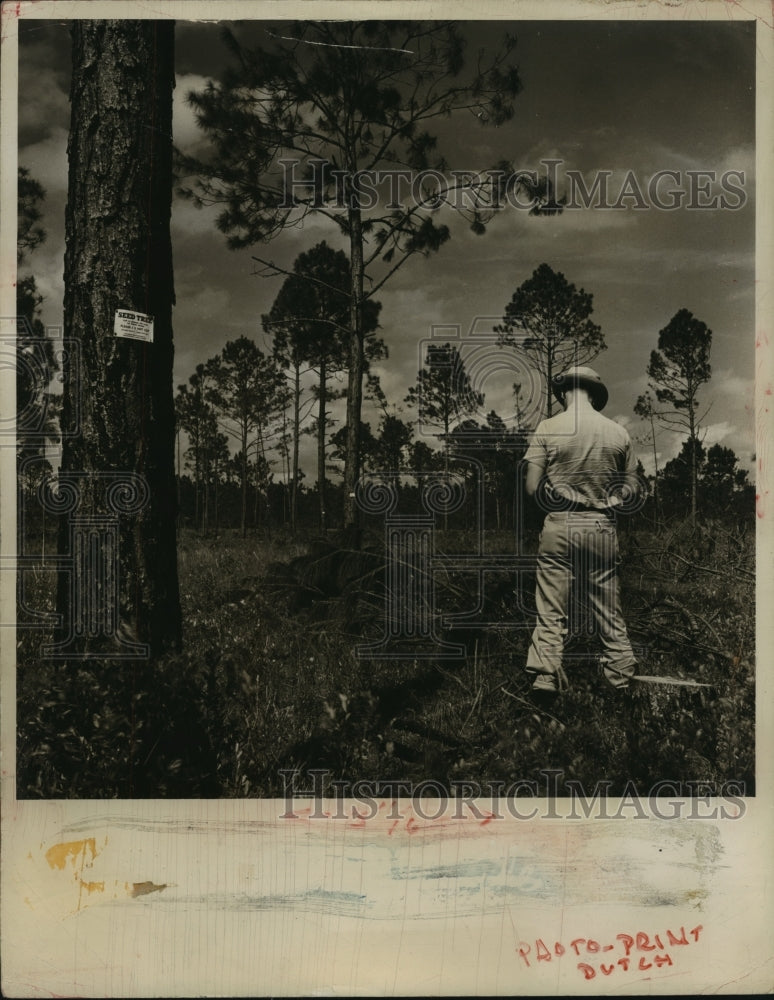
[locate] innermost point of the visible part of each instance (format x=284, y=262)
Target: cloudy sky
x=640, y=97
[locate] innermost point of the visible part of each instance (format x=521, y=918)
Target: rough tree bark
x=119, y=256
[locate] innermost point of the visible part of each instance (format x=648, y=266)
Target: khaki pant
x=579, y=546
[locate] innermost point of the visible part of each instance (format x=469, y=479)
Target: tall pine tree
x=301, y=119
x=309, y=321
x=549, y=318
x=119, y=257
x=676, y=373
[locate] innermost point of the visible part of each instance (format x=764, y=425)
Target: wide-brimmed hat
x=585, y=378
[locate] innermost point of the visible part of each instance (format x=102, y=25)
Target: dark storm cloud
x=44, y=79
x=607, y=92
x=636, y=95
x=199, y=49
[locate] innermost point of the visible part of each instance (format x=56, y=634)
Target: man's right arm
x=631, y=486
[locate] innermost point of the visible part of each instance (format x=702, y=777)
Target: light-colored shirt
x=586, y=457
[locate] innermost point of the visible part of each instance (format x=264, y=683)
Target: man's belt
x=572, y=507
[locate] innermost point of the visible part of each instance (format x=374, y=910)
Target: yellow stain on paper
x=58, y=854
x=91, y=887
x=81, y=854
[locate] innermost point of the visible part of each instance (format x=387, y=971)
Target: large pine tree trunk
x=119, y=256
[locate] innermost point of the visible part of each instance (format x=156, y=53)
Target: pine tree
x=548, y=318
x=30, y=197
x=443, y=393
x=300, y=124
x=246, y=389
x=393, y=443
x=198, y=418
x=309, y=320
x=119, y=257
x=676, y=373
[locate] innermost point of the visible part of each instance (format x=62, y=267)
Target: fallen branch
x=670, y=680
x=706, y=569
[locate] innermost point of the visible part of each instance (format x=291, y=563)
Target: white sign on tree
x=136, y=326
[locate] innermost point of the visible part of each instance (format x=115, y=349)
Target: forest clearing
x=269, y=680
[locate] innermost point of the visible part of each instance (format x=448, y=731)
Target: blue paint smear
x=312, y=900
x=471, y=869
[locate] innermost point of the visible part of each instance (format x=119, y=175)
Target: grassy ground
x=269, y=680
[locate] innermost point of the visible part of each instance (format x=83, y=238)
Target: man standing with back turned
x=581, y=467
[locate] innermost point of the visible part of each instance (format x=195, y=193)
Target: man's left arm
x=629, y=488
